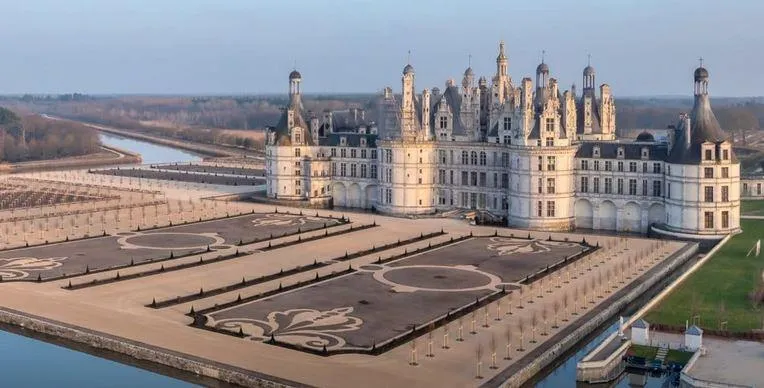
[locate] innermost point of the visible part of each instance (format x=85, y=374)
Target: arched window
x=482, y=158
x=473, y=157
x=464, y=157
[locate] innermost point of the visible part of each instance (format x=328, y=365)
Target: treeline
x=32, y=137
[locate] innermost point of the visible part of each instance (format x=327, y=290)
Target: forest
x=32, y=137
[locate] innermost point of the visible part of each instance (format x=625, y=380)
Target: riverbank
x=109, y=156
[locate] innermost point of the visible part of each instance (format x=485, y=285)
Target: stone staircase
x=662, y=352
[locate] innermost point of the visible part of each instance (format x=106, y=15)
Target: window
x=657, y=188
x=507, y=123
x=596, y=165
x=550, y=208
x=632, y=187
x=353, y=153
x=708, y=172
x=443, y=122
x=541, y=163
x=334, y=152
x=550, y=124
x=608, y=165
x=363, y=153
x=507, y=139
x=465, y=157
x=373, y=171
x=505, y=159
x=550, y=162
x=504, y=181
x=482, y=179
x=541, y=188
x=363, y=142
x=620, y=152
x=584, y=164
x=297, y=137
x=656, y=168
x=708, y=194
x=297, y=152
x=596, y=185
x=495, y=181
x=442, y=176
x=550, y=185
x=465, y=178
x=725, y=193
x=620, y=166
x=709, y=220
x=451, y=176
x=389, y=196
x=343, y=169
x=334, y=169
x=632, y=166
x=620, y=186
x=389, y=175
x=549, y=141
x=343, y=152
x=608, y=185
x=645, y=153
x=709, y=155
x=644, y=187
x=353, y=169
x=725, y=219
x=473, y=158
x=473, y=178
x=539, y=209
x=482, y=158
x=297, y=186
x=596, y=152
x=343, y=141
x=758, y=189
x=668, y=190
x=584, y=184
x=725, y=156
x=373, y=154
x=644, y=167
x=725, y=172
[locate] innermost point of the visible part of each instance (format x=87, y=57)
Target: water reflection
x=151, y=153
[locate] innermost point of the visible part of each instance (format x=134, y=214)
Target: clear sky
x=639, y=47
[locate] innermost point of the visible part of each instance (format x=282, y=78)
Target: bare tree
x=556, y=309
x=534, y=326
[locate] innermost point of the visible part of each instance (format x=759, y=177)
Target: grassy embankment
x=719, y=290
x=752, y=207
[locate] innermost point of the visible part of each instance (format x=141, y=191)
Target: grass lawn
x=678, y=356
x=646, y=352
x=752, y=207
x=726, y=279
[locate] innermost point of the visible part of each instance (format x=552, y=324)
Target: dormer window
x=507, y=123
x=620, y=152
x=297, y=136
x=363, y=142
x=645, y=153
x=725, y=154
x=443, y=122
x=343, y=141
x=596, y=152
x=550, y=124
x=708, y=154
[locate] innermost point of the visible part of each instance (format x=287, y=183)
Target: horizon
x=200, y=47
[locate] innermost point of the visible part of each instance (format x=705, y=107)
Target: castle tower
x=408, y=114
x=702, y=174
x=596, y=116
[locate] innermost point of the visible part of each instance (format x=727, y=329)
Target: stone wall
x=141, y=351
x=591, y=324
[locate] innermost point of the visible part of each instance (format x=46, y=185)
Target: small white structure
x=693, y=338
x=640, y=332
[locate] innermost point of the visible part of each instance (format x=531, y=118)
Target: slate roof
x=694, y=330
x=703, y=128
x=283, y=137
x=454, y=100
x=596, y=128
x=640, y=324
x=353, y=139
x=631, y=151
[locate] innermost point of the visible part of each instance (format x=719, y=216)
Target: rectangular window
x=550, y=124
x=550, y=163
x=608, y=185
x=644, y=187
x=620, y=186
x=504, y=181
x=725, y=193
x=507, y=123
x=632, y=166
x=596, y=165
x=443, y=122
x=442, y=177
x=297, y=152
x=465, y=178
x=495, y=181
x=465, y=157
x=550, y=185
x=620, y=166
x=334, y=169
x=596, y=185
x=708, y=194
x=656, y=168
x=373, y=154
x=644, y=167
x=353, y=169
x=709, y=220
x=482, y=179
x=442, y=156
x=541, y=188
x=343, y=152
x=726, y=156
x=550, y=208
x=584, y=165
x=709, y=155
x=505, y=159
x=473, y=178
x=540, y=209
x=353, y=153
x=297, y=187
x=708, y=172
x=657, y=188
x=668, y=190
x=725, y=172
x=632, y=187
x=584, y=184
x=451, y=176
x=334, y=152
x=608, y=165
x=507, y=139
x=364, y=170
x=541, y=163
x=725, y=219
x=549, y=141
x=373, y=171
x=363, y=153
x=343, y=169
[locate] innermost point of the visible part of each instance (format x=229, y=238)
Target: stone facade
x=541, y=158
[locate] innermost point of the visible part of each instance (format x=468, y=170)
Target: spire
x=502, y=55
